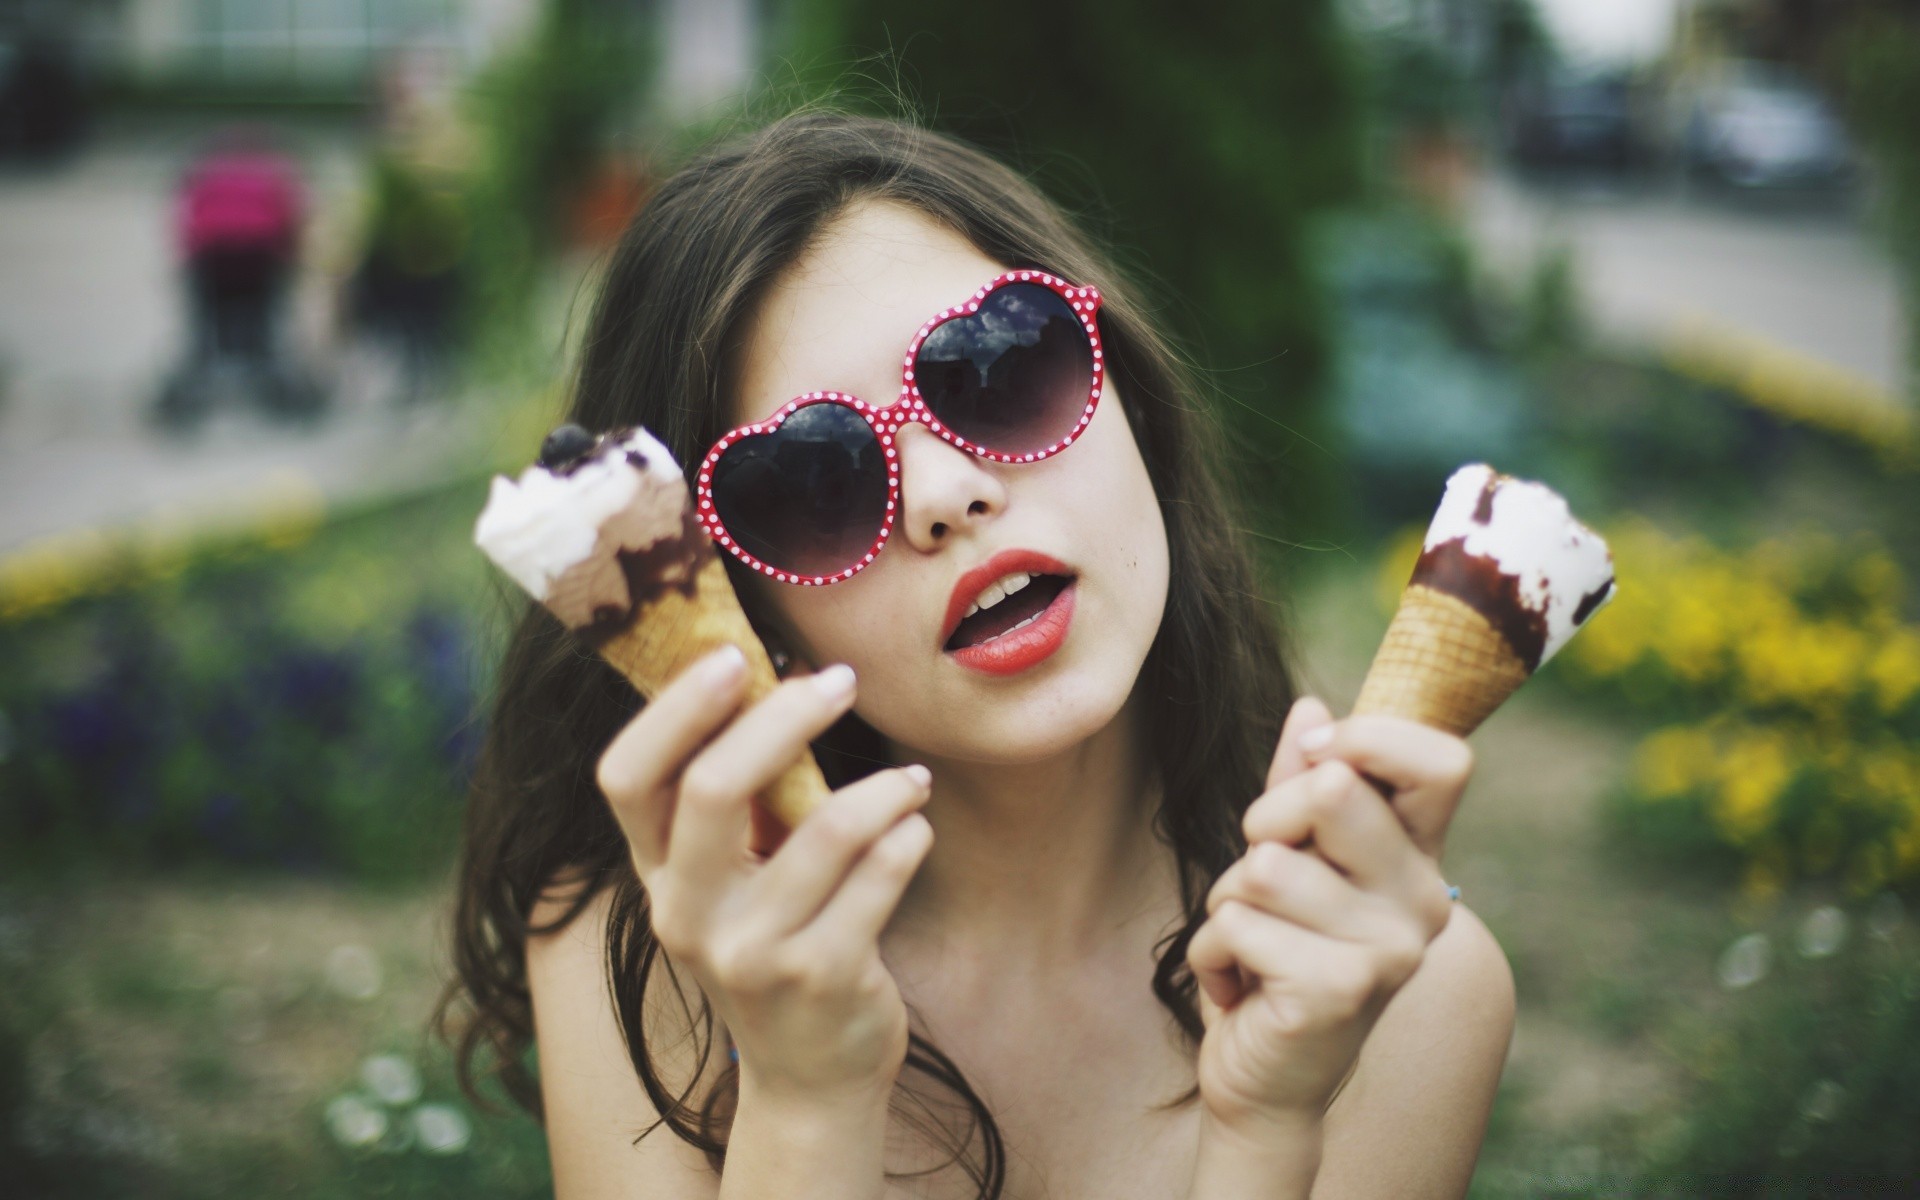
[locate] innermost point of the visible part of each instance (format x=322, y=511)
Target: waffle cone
x=671, y=632
x=1441, y=664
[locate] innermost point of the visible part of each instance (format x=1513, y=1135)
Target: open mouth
x=1013, y=611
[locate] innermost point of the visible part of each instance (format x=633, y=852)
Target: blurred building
x=316, y=48
x=322, y=49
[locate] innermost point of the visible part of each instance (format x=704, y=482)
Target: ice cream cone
x=601, y=532
x=1441, y=664
x=675, y=629
x=1505, y=577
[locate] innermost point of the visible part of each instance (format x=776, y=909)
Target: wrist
x=818, y=1146
x=1273, y=1157
x=807, y=1109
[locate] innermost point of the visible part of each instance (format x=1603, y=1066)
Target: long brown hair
x=658, y=352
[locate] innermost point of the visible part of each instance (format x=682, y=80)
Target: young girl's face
x=840, y=319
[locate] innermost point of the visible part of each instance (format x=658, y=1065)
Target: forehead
x=841, y=317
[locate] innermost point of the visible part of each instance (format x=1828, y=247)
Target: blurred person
x=237, y=224
x=1084, y=917
x=408, y=288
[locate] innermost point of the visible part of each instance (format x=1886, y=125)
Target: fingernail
x=920, y=775
x=1317, y=738
x=836, y=682
x=725, y=663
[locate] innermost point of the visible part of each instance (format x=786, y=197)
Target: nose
x=943, y=489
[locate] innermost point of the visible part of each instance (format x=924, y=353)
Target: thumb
x=1308, y=712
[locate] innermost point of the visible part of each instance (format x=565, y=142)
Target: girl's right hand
x=785, y=948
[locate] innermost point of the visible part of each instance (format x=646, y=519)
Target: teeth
x=996, y=592
x=1016, y=629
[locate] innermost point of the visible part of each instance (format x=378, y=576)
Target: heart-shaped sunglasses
x=809, y=495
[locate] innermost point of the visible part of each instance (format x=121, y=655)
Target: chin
x=1043, y=719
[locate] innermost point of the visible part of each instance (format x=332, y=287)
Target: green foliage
x=1200, y=140
x=1805, y=1087
x=65, y=1131
x=307, y=709
x=417, y=218
x=545, y=112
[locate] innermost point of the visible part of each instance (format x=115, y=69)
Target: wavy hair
x=659, y=351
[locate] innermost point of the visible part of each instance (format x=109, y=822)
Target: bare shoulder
x=595, y=1104
x=1465, y=976
x=1428, y=1073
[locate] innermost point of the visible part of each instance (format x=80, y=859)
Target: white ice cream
x=557, y=534
x=1531, y=535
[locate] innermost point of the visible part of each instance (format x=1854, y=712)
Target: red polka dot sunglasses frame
x=885, y=421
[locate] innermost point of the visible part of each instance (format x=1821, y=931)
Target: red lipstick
x=1019, y=649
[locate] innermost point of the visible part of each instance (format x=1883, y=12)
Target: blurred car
x=1766, y=129
x=1565, y=119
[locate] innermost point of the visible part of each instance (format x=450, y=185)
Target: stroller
x=240, y=210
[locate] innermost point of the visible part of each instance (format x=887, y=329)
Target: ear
x=787, y=664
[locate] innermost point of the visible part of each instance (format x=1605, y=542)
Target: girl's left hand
x=1303, y=947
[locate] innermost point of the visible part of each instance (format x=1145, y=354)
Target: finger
x=849, y=925
x=1214, y=967
x=1239, y=948
x=1324, y=977
x=709, y=838
x=653, y=748
x=1347, y=822
x=1426, y=768
x=803, y=874
x=1308, y=712
x=1300, y=887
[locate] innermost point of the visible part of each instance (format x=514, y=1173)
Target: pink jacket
x=241, y=200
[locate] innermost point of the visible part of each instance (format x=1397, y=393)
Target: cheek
x=1145, y=559
x=1119, y=514
x=852, y=622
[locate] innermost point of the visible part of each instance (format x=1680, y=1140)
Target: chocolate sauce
x=1483, y=509
x=669, y=564
x=1483, y=586
x=1591, y=601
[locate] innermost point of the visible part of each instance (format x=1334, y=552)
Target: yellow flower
x=1905, y=845
x=1876, y=578
x=1606, y=648
x=1754, y=771
x=1672, y=761
x=1894, y=671
x=55, y=569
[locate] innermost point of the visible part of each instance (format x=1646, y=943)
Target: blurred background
x=283, y=281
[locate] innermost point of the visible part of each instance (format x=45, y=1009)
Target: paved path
x=91, y=321
x=1654, y=265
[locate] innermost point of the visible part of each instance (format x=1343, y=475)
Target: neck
x=1041, y=865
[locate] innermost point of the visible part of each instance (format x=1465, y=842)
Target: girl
x=1072, y=924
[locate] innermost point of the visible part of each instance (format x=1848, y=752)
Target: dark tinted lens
x=1012, y=377
x=809, y=497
